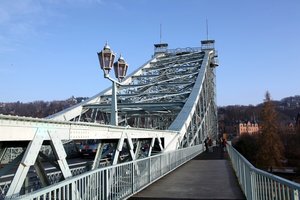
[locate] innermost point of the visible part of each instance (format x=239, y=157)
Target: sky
x=48, y=48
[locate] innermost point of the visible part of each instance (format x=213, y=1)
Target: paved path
x=207, y=176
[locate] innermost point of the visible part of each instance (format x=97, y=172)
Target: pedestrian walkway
x=207, y=176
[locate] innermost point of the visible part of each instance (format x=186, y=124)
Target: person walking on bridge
x=224, y=142
x=206, y=144
x=210, y=145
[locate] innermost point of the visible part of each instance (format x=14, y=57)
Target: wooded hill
x=38, y=109
x=229, y=116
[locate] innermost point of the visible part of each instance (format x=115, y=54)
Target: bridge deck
x=208, y=176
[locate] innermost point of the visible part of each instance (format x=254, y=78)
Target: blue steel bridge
x=165, y=110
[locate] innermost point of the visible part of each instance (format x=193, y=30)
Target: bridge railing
x=260, y=185
x=118, y=181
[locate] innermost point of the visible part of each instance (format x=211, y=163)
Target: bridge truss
x=168, y=103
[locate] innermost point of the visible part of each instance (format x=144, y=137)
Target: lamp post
x=106, y=59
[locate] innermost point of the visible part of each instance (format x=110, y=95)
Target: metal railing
x=33, y=183
x=260, y=185
x=116, y=182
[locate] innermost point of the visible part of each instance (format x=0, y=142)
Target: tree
x=270, y=150
x=247, y=145
x=298, y=127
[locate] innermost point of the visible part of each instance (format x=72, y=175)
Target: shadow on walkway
x=217, y=154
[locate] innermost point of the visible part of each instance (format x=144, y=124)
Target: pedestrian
x=221, y=142
x=206, y=144
x=224, y=142
x=210, y=145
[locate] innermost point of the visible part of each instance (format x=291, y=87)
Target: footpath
x=208, y=176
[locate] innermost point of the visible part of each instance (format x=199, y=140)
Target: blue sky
x=48, y=47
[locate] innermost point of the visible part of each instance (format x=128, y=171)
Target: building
x=247, y=127
x=293, y=126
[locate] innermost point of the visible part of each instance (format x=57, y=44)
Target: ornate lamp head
x=120, y=68
x=106, y=59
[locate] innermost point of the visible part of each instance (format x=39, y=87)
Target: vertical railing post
x=106, y=186
x=149, y=169
x=161, y=171
x=296, y=194
x=170, y=162
x=253, y=184
x=245, y=177
x=132, y=177
x=73, y=191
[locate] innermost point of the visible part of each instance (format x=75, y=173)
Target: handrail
x=118, y=181
x=258, y=184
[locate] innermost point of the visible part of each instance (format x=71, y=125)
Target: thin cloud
x=23, y=19
x=17, y=11
x=18, y=20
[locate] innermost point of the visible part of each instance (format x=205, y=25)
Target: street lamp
x=106, y=59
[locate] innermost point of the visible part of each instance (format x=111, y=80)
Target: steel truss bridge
x=166, y=108
x=165, y=105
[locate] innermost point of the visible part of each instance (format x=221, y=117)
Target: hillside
x=38, y=109
x=229, y=116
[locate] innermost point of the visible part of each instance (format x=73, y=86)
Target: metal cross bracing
x=167, y=104
x=154, y=93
